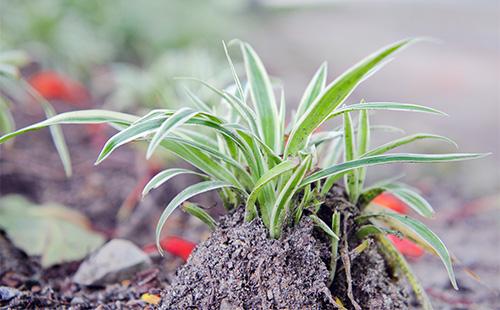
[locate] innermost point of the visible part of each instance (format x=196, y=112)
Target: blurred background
x=124, y=55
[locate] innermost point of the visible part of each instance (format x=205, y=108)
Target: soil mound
x=239, y=267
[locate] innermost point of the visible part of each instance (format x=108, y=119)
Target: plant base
x=240, y=267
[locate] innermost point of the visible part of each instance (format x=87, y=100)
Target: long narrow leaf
x=233, y=72
x=321, y=224
x=199, y=213
x=164, y=176
x=335, y=246
x=351, y=176
x=335, y=94
x=314, y=88
x=242, y=173
x=385, y=106
x=363, y=145
x=406, y=140
x=186, y=194
x=417, y=231
x=386, y=159
x=58, y=139
x=263, y=181
x=198, y=103
x=285, y=196
x=245, y=112
x=76, y=117
x=55, y=130
x=410, y=197
x=262, y=95
x=202, y=161
x=176, y=120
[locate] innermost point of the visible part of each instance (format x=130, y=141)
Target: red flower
x=54, y=86
x=173, y=245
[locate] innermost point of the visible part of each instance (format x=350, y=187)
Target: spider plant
x=243, y=149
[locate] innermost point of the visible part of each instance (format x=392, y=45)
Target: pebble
x=117, y=260
x=77, y=300
x=8, y=293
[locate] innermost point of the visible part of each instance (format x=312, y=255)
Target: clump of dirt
x=240, y=267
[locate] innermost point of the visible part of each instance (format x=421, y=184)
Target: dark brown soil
x=240, y=267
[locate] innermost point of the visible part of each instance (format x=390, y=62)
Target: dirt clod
x=240, y=267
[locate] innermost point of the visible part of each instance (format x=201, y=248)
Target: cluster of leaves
x=244, y=149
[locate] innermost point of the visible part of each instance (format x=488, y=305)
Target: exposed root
x=346, y=261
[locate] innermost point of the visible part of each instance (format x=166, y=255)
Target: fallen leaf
x=390, y=201
x=55, y=86
x=406, y=246
x=52, y=231
x=175, y=246
x=151, y=299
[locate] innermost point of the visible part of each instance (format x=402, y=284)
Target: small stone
x=117, y=260
x=269, y=294
x=8, y=293
x=226, y=305
x=77, y=300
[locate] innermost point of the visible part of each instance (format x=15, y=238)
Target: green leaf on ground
x=52, y=231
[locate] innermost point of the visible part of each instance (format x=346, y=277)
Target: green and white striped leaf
x=58, y=139
x=199, y=213
x=406, y=140
x=261, y=92
x=363, y=145
x=164, y=176
x=385, y=106
x=351, y=176
x=335, y=94
x=186, y=194
x=285, y=196
x=321, y=224
x=197, y=102
x=386, y=159
x=233, y=72
x=245, y=112
x=180, y=117
x=139, y=130
x=410, y=197
x=313, y=90
x=205, y=148
x=202, y=161
x=335, y=246
x=268, y=177
x=420, y=233
x=77, y=117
